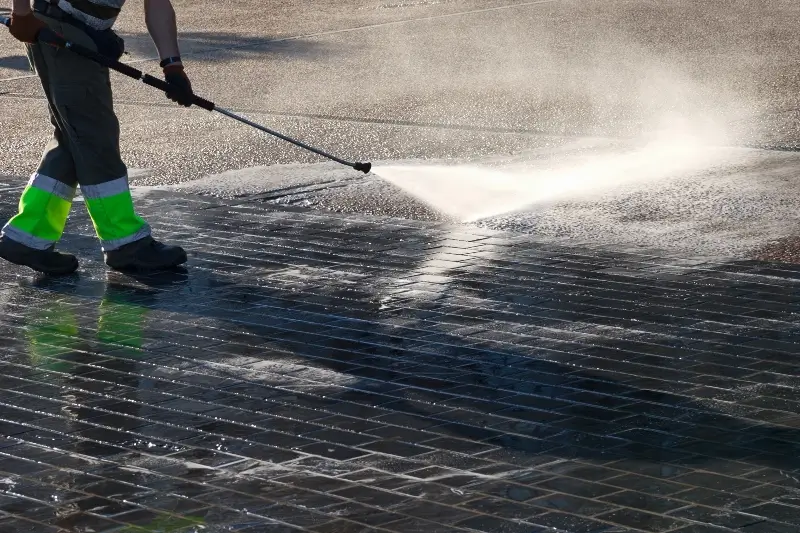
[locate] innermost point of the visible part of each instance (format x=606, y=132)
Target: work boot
x=46, y=261
x=145, y=254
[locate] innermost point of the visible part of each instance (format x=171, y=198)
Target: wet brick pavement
x=329, y=374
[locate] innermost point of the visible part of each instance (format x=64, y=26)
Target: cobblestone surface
x=310, y=372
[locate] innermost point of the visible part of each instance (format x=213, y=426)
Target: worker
x=84, y=149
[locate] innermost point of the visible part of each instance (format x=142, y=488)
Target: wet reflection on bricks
x=460, y=380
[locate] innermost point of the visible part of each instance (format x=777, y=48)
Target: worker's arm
x=163, y=27
x=21, y=7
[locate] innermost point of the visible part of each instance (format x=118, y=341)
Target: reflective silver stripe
x=94, y=22
x=52, y=186
x=104, y=190
x=108, y=246
x=23, y=237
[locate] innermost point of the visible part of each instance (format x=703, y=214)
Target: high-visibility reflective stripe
x=110, y=205
x=107, y=189
x=108, y=246
x=100, y=15
x=53, y=186
x=23, y=237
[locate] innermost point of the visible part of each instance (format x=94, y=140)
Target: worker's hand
x=26, y=27
x=182, y=92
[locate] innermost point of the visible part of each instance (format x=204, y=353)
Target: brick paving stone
x=315, y=372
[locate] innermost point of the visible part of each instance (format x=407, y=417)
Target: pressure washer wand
x=49, y=37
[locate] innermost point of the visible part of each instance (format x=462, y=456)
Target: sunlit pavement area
x=339, y=358
x=311, y=372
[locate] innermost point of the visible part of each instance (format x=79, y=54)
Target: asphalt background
x=503, y=82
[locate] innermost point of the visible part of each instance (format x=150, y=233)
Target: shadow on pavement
x=15, y=63
x=214, y=47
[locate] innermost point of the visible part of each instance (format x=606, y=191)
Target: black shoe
x=46, y=261
x=145, y=254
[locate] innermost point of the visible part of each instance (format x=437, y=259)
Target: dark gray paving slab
x=309, y=372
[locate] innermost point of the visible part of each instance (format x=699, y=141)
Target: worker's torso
x=99, y=14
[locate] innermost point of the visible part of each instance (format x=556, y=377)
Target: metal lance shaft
x=49, y=37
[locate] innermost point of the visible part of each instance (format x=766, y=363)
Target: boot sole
x=143, y=267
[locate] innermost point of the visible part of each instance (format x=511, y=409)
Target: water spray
x=47, y=36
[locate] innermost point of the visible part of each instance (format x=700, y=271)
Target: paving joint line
x=589, y=323
x=183, y=480
x=589, y=346
x=236, y=475
x=413, y=480
x=654, y=284
x=550, y=439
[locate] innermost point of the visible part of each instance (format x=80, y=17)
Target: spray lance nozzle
x=363, y=167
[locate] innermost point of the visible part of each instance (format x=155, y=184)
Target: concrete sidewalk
x=310, y=372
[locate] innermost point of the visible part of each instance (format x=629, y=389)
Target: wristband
x=170, y=61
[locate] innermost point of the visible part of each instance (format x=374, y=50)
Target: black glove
x=182, y=92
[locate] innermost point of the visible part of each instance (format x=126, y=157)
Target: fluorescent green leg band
x=43, y=211
x=114, y=218
x=111, y=207
x=41, y=214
